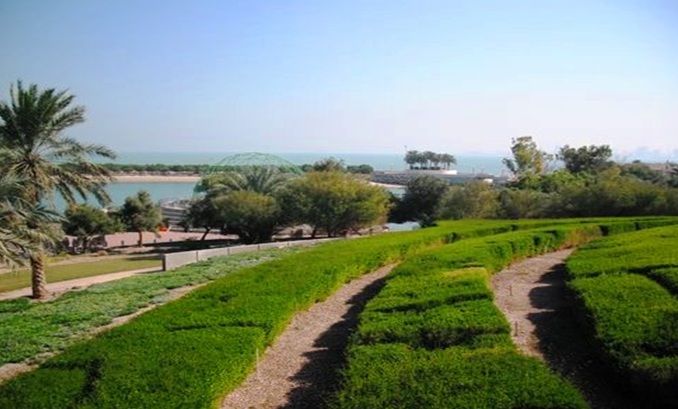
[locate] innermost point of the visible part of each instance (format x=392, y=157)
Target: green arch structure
x=256, y=159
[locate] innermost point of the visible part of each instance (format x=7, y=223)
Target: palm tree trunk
x=39, y=282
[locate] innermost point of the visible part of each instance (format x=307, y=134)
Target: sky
x=363, y=76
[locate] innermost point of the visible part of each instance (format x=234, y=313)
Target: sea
x=176, y=190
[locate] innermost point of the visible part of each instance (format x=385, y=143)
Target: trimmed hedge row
x=433, y=337
x=626, y=289
x=641, y=252
x=191, y=352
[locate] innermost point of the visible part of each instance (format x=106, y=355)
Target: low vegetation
x=626, y=288
x=190, y=352
x=433, y=338
x=28, y=328
x=59, y=272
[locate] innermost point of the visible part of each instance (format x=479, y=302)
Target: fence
x=175, y=260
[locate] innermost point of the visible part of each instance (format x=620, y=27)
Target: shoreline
x=155, y=178
x=191, y=179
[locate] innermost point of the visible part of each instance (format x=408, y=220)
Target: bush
x=623, y=286
x=433, y=338
x=397, y=376
x=190, y=352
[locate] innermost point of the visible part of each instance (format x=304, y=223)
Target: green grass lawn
x=61, y=272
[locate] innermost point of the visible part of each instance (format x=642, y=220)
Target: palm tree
x=411, y=158
x=448, y=160
x=428, y=157
x=34, y=149
x=258, y=179
x=17, y=241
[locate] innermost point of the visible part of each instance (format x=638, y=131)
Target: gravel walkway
x=534, y=298
x=515, y=296
x=300, y=369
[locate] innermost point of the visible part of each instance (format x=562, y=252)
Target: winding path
x=300, y=369
x=533, y=296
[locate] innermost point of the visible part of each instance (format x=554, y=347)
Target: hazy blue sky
x=354, y=76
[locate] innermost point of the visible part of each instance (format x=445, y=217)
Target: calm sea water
x=158, y=191
x=488, y=164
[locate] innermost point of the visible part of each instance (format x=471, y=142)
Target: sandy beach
x=156, y=178
x=189, y=179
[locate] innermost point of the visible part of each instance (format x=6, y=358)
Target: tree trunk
x=141, y=239
x=207, y=231
x=39, y=282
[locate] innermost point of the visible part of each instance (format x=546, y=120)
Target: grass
x=433, y=337
x=60, y=272
x=190, y=352
x=29, y=328
x=639, y=252
x=626, y=288
x=398, y=376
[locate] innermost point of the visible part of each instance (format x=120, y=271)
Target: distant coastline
x=190, y=179
x=128, y=178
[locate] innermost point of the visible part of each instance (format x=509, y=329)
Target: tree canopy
x=423, y=195
x=429, y=160
x=140, y=214
x=586, y=159
x=85, y=222
x=334, y=202
x=527, y=159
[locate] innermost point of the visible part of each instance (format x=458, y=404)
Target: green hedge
x=626, y=289
x=639, y=252
x=433, y=337
x=190, y=352
x=398, y=376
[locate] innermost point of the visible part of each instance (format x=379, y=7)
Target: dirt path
x=533, y=297
x=60, y=287
x=299, y=369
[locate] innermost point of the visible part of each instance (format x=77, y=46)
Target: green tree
x=329, y=165
x=447, y=160
x=421, y=200
x=641, y=171
x=586, y=159
x=527, y=160
x=254, y=217
x=335, y=202
x=33, y=148
x=475, y=199
x=412, y=158
x=204, y=213
x=140, y=214
x=85, y=222
x=259, y=179
x=523, y=204
x=363, y=169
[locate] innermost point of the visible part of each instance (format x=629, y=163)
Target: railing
x=174, y=260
